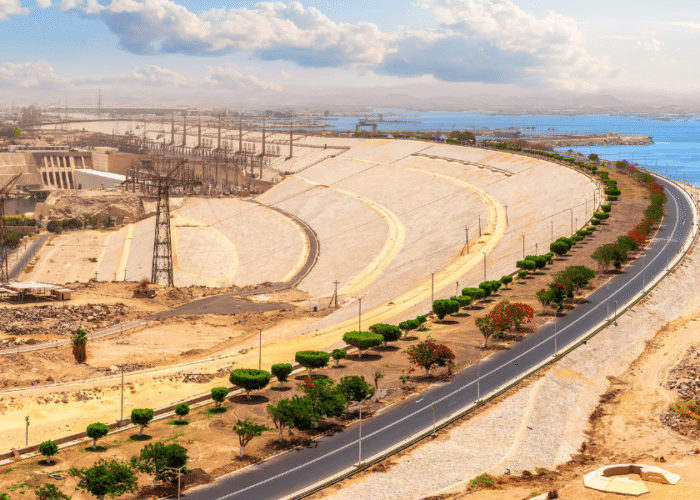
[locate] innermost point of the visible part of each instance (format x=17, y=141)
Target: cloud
x=228, y=77
x=10, y=7
x=686, y=24
x=31, y=75
x=653, y=45
x=150, y=75
x=284, y=74
x=44, y=4
x=474, y=40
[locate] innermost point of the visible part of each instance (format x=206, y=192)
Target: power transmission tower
x=161, y=179
x=4, y=272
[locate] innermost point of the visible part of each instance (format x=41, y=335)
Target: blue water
x=676, y=151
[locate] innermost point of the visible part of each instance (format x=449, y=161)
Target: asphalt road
x=300, y=468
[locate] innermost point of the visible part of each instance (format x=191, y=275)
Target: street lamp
x=615, y=313
x=555, y=331
x=179, y=470
x=478, y=376
x=484, y=264
x=607, y=302
x=359, y=318
x=359, y=441
x=432, y=406
x=26, y=435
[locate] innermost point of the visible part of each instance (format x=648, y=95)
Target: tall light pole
x=615, y=313
x=555, y=330
x=359, y=320
x=457, y=289
x=484, y=264
x=432, y=289
x=467, y=230
x=506, y=206
x=26, y=433
x=479, y=225
x=122, y=405
x=179, y=470
x=432, y=406
x=359, y=441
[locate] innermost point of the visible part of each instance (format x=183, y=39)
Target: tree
x=506, y=280
x=474, y=293
x=47, y=492
x=48, y=449
x=339, y=354
x=141, y=417
x=249, y=379
x=422, y=320
x=312, y=360
x=487, y=287
x=539, y=260
x=95, y=432
x=607, y=254
x=559, y=247
x=462, y=301
x=575, y=277
x=182, y=410
x=390, y=333
x=218, y=394
x=79, y=341
x=442, y=308
x=304, y=413
x=430, y=355
x=156, y=458
x=247, y=430
x=545, y=297
x=282, y=372
x=113, y=478
x=520, y=313
x=363, y=340
x=355, y=388
x=377, y=375
x=522, y=275
x=326, y=397
x=593, y=157
x=486, y=327
x=282, y=414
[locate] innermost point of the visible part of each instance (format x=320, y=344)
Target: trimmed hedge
x=281, y=371
x=595, y=222
x=312, y=360
x=249, y=379
x=606, y=208
x=363, y=340
x=473, y=293
x=612, y=198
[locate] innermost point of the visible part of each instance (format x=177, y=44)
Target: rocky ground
x=61, y=205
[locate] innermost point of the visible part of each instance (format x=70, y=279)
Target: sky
x=200, y=50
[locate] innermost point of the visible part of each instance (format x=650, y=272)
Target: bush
x=644, y=177
x=218, y=394
x=339, y=354
x=250, y=379
x=568, y=241
x=442, y=308
x=627, y=243
x=141, y=417
x=363, y=340
x=182, y=410
x=390, y=333
x=591, y=229
x=522, y=275
x=559, y=247
x=354, y=388
x=582, y=232
x=550, y=257
x=612, y=198
x=462, y=301
x=530, y=265
x=539, y=260
x=54, y=227
x=658, y=198
x=474, y=293
x=312, y=360
x=613, y=192
x=606, y=208
x=95, y=432
x=506, y=280
x=487, y=287
x=577, y=238
x=602, y=215
x=654, y=212
x=281, y=371
x=48, y=449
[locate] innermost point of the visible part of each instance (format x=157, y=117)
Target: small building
x=93, y=179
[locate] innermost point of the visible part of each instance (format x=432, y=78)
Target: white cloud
x=9, y=7
x=29, y=75
x=653, y=45
x=44, y=4
x=474, y=40
x=686, y=24
x=150, y=75
x=228, y=77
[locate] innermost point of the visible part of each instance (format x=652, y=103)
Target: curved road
x=284, y=475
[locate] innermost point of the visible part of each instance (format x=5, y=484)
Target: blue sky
x=71, y=47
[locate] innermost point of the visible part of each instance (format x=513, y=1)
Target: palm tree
x=79, y=340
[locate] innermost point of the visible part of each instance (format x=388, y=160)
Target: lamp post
x=467, y=230
x=484, y=264
x=555, y=331
x=359, y=441
x=121, y=417
x=432, y=288
x=432, y=406
x=615, y=313
x=179, y=470
x=607, y=302
x=479, y=225
x=26, y=433
x=359, y=318
x=457, y=289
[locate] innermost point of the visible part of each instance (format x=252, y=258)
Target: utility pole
x=484, y=264
x=551, y=230
x=506, y=206
x=260, y=350
x=335, y=294
x=432, y=289
x=121, y=418
x=479, y=225
x=359, y=320
x=467, y=230
x=457, y=289
x=523, y=246
x=26, y=433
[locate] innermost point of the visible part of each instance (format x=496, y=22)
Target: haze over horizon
x=424, y=54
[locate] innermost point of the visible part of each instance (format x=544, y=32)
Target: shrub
x=654, y=212
x=462, y=301
x=281, y=371
x=550, y=257
x=487, y=287
x=606, y=208
x=644, y=177
x=113, y=478
x=539, y=260
x=612, y=198
x=250, y=379
x=442, y=308
x=530, y=265
x=658, y=198
x=390, y=333
x=568, y=241
x=482, y=482
x=218, y=394
x=474, y=293
x=506, y=280
x=312, y=360
x=54, y=227
x=48, y=449
x=339, y=354
x=613, y=192
x=577, y=238
x=582, y=232
x=182, y=410
x=559, y=247
x=595, y=222
x=591, y=229
x=522, y=275
x=364, y=340
x=141, y=417
x=627, y=243
x=355, y=388
x=422, y=319
x=95, y=432
x=602, y=215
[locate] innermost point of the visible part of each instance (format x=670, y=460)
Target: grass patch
x=687, y=409
x=97, y=449
x=412, y=337
x=143, y=437
x=281, y=389
x=178, y=422
x=216, y=411
x=482, y=482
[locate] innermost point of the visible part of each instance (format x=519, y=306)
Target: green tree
x=487, y=328
x=363, y=340
x=339, y=354
x=575, y=277
x=355, y=388
x=559, y=247
x=506, y=280
x=48, y=492
x=247, y=430
x=421, y=319
x=390, y=333
x=377, y=376
x=249, y=379
x=430, y=355
x=442, y=308
x=474, y=293
x=113, y=478
x=522, y=274
x=593, y=157
x=95, y=432
x=181, y=410
x=155, y=458
x=305, y=413
x=325, y=396
x=218, y=394
x=312, y=360
x=544, y=297
x=48, y=449
x=282, y=372
x=282, y=413
x=609, y=254
x=141, y=417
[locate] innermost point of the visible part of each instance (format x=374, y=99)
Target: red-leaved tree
x=430, y=355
